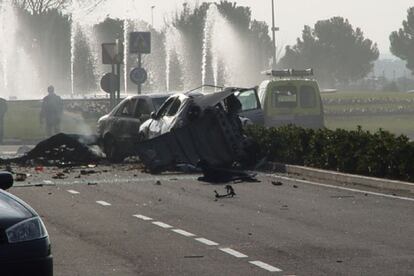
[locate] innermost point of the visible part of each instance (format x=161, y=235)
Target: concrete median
x=343, y=178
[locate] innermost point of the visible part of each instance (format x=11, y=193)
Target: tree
x=336, y=51
x=402, y=41
x=40, y=6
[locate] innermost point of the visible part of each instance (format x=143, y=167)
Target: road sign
x=112, y=53
x=138, y=75
x=109, y=83
x=140, y=43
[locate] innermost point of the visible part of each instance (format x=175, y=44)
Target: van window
x=307, y=96
x=248, y=100
x=284, y=96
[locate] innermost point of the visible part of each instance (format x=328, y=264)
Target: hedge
x=380, y=154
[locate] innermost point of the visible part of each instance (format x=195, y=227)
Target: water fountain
x=19, y=78
x=219, y=61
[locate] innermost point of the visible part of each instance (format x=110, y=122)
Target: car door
x=125, y=121
x=251, y=107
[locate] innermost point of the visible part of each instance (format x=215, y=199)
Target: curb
x=343, y=178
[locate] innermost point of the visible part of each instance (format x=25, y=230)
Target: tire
x=111, y=150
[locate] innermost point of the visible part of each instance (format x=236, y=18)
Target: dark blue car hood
x=13, y=210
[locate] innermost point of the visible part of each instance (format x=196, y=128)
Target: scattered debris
x=59, y=175
x=295, y=186
x=158, y=182
x=20, y=177
x=92, y=183
x=87, y=172
x=62, y=150
x=284, y=207
x=229, y=190
x=277, y=183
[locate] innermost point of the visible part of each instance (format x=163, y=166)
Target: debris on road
x=61, y=150
x=229, y=190
x=87, y=172
x=158, y=182
x=277, y=183
x=59, y=175
x=20, y=177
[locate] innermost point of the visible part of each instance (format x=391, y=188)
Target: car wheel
x=111, y=150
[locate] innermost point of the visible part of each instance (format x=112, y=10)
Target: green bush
x=379, y=154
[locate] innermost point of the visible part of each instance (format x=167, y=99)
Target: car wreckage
x=200, y=129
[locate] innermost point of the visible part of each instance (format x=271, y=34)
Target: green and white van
x=291, y=97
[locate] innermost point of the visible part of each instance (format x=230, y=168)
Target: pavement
x=116, y=220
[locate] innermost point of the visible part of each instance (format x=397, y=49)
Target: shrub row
x=379, y=154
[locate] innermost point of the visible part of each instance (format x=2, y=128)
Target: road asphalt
x=116, y=220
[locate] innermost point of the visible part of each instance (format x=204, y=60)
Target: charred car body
x=195, y=127
x=118, y=130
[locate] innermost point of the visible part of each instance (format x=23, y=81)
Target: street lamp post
x=274, y=29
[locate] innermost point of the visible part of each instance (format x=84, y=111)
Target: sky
x=376, y=18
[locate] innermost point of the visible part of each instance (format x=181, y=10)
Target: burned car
x=179, y=109
x=198, y=128
x=118, y=130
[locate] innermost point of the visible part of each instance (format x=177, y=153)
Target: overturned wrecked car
x=118, y=130
x=200, y=129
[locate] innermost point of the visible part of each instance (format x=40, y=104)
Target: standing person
x=51, y=113
x=3, y=110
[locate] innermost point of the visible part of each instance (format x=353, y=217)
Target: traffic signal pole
x=139, y=66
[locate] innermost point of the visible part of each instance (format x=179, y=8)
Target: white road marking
x=73, y=192
x=233, y=252
x=103, y=203
x=265, y=266
x=206, y=241
x=184, y=233
x=142, y=217
x=342, y=188
x=162, y=224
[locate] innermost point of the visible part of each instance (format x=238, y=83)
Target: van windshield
x=284, y=96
